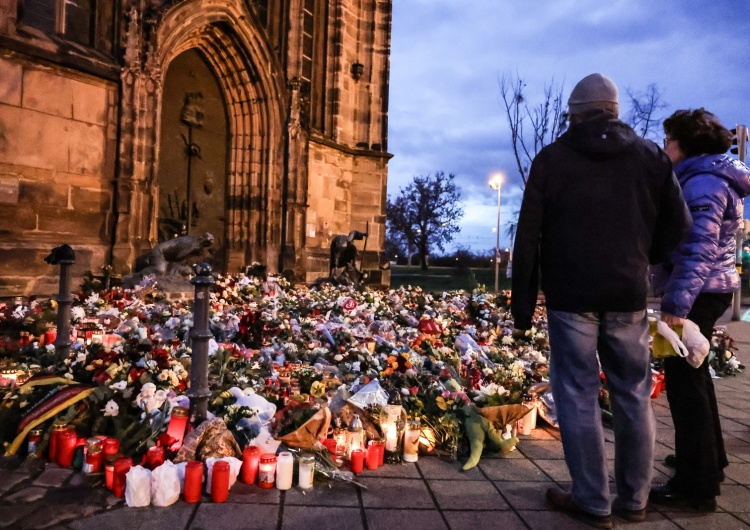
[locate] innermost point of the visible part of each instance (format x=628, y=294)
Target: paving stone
x=397, y=519
x=705, y=521
x=525, y=495
x=125, y=518
x=550, y=450
x=236, y=516
x=466, y=495
x=53, y=476
x=335, y=493
x=27, y=495
x=10, y=515
x=556, y=469
x=321, y=518
x=433, y=467
x=468, y=520
x=396, y=493
x=251, y=494
x=734, y=498
x=393, y=470
x=8, y=481
x=512, y=469
x=740, y=473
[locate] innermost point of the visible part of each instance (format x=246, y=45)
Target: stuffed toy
x=484, y=428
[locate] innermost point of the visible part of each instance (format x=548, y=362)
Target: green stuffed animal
x=481, y=431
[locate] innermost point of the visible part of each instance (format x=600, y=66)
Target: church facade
x=129, y=122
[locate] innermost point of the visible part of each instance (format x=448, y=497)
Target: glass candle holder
x=528, y=422
x=94, y=456
x=109, y=471
x=66, y=446
x=284, y=470
x=110, y=446
x=177, y=423
x=220, y=481
x=306, y=471
x=193, y=481
x=393, y=430
x=372, y=460
x=250, y=462
x=411, y=441
x=54, y=440
x=154, y=457
x=267, y=471
x=119, y=480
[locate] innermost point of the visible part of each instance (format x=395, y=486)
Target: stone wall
x=57, y=145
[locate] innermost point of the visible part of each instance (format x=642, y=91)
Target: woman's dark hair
x=698, y=132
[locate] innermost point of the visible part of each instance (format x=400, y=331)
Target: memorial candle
x=193, y=481
x=411, y=441
x=306, y=471
x=357, y=458
x=220, y=481
x=177, y=423
x=66, y=446
x=121, y=468
x=373, y=455
x=284, y=471
x=267, y=470
x=54, y=440
x=250, y=462
x=154, y=457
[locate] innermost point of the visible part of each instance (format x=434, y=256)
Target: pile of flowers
x=439, y=355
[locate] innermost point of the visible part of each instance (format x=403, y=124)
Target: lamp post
x=496, y=183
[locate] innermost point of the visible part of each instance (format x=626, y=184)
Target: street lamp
x=496, y=183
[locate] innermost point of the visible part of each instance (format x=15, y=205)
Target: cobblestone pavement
x=502, y=492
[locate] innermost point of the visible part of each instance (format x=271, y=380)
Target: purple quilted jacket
x=713, y=187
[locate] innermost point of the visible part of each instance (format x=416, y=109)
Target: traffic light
x=739, y=141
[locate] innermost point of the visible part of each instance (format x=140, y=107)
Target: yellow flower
x=318, y=389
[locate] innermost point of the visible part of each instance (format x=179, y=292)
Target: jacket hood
x=599, y=138
x=725, y=167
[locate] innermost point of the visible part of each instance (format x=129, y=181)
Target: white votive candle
x=284, y=471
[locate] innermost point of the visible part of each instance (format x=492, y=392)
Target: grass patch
x=439, y=279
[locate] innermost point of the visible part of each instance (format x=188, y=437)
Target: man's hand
x=671, y=320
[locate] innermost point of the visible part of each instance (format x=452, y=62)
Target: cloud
x=447, y=56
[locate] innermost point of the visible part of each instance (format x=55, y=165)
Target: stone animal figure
x=343, y=251
x=170, y=260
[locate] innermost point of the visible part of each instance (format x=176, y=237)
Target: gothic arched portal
x=193, y=154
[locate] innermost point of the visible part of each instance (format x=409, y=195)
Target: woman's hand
x=671, y=320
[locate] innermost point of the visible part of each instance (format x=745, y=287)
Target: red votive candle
x=193, y=481
x=267, y=471
x=66, y=446
x=250, y=462
x=380, y=449
x=109, y=471
x=373, y=455
x=121, y=468
x=110, y=446
x=357, y=458
x=154, y=457
x=177, y=423
x=330, y=444
x=54, y=437
x=220, y=481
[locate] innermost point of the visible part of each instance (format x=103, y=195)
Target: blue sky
x=445, y=111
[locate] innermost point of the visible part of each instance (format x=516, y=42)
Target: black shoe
x=665, y=495
x=671, y=461
x=633, y=516
x=561, y=499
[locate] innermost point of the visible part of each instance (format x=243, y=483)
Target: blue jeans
x=621, y=340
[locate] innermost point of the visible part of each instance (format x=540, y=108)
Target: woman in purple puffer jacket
x=698, y=285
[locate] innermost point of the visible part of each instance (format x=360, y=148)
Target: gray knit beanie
x=595, y=91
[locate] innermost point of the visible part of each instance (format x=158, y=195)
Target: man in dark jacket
x=600, y=205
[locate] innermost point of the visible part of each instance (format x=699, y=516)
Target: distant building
x=127, y=122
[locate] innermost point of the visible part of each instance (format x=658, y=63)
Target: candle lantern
x=193, y=481
x=35, y=436
x=393, y=429
x=220, y=481
x=411, y=441
x=119, y=480
x=357, y=459
x=154, y=457
x=250, y=462
x=306, y=471
x=110, y=447
x=94, y=456
x=267, y=470
x=427, y=440
x=177, y=423
x=66, y=446
x=341, y=437
x=284, y=471
x=355, y=435
x=528, y=422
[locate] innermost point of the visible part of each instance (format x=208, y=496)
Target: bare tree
x=644, y=111
x=531, y=126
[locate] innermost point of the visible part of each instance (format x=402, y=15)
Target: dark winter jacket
x=713, y=187
x=600, y=204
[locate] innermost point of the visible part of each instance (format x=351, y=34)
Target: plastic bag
x=697, y=345
x=685, y=341
x=138, y=487
x=165, y=484
x=234, y=469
